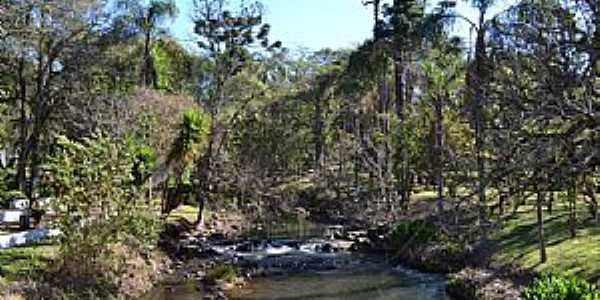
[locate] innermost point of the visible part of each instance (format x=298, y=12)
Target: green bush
x=554, y=287
x=413, y=233
x=6, y=196
x=222, y=272
x=104, y=219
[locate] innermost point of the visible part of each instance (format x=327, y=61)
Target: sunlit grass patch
x=28, y=261
x=518, y=243
x=187, y=212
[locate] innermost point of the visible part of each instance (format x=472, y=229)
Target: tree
x=51, y=40
x=226, y=37
x=148, y=18
x=476, y=81
x=190, y=141
x=442, y=69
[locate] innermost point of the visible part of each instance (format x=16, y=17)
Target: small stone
x=220, y=296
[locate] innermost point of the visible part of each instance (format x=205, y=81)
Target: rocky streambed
x=313, y=268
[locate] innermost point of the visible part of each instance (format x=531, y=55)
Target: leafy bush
x=7, y=195
x=222, y=272
x=554, y=287
x=99, y=209
x=144, y=161
x=413, y=233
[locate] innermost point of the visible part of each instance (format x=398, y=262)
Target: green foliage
x=413, y=233
x=6, y=195
x=97, y=203
x=144, y=162
x=555, y=287
x=176, y=69
x=146, y=155
x=4, y=121
x=222, y=272
x=193, y=134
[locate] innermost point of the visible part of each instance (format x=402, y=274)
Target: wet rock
x=327, y=248
x=216, y=237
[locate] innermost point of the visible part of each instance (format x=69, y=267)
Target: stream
x=364, y=280
x=313, y=269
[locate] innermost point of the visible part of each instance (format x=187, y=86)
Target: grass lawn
x=22, y=262
x=518, y=242
x=187, y=212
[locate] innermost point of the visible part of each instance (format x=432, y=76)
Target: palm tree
x=192, y=137
x=147, y=19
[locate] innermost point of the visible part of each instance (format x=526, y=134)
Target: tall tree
x=148, y=19
x=443, y=69
x=227, y=37
x=476, y=81
x=51, y=38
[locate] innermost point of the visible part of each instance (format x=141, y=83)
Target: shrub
x=99, y=210
x=554, y=287
x=413, y=233
x=7, y=195
x=222, y=272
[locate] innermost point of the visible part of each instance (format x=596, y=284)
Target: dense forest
x=486, y=146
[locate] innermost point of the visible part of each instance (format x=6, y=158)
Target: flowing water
x=310, y=268
x=368, y=281
x=326, y=276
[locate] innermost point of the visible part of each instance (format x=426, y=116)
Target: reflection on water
x=365, y=281
x=373, y=282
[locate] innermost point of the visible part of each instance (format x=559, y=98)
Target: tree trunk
x=205, y=168
x=35, y=163
x=551, y=199
x=400, y=106
x=318, y=134
x=200, y=217
x=540, y=224
x=22, y=162
x=572, y=199
x=476, y=84
x=147, y=65
x=501, y=203
x=439, y=161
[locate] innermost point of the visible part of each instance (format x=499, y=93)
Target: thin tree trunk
x=22, y=162
x=551, y=199
x=477, y=82
x=540, y=223
x=439, y=142
x=400, y=107
x=501, y=204
x=572, y=199
x=147, y=65
x=318, y=134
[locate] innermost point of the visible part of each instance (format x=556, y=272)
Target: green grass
x=23, y=262
x=187, y=212
x=518, y=243
x=423, y=196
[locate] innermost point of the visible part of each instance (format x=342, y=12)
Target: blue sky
x=317, y=24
